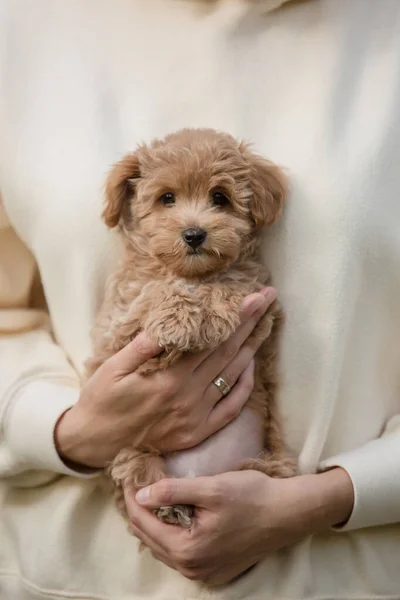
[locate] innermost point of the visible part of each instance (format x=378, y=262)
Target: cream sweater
x=316, y=86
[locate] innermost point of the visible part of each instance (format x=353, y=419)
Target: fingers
x=198, y=491
x=233, y=370
x=231, y=406
x=135, y=354
x=216, y=361
x=139, y=522
x=143, y=537
x=157, y=535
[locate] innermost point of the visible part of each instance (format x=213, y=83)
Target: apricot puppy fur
x=190, y=209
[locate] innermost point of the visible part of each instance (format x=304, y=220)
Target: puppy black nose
x=194, y=236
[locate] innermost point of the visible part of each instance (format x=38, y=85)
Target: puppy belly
x=222, y=452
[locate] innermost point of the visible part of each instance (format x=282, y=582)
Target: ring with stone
x=221, y=384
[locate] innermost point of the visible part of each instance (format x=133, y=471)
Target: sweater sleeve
x=374, y=470
x=37, y=383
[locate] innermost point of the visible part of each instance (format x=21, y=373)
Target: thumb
x=199, y=491
x=135, y=354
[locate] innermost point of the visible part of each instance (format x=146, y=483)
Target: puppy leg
x=280, y=467
x=221, y=314
x=182, y=321
x=133, y=470
x=175, y=321
x=275, y=460
x=191, y=322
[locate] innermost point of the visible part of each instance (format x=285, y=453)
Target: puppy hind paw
x=179, y=514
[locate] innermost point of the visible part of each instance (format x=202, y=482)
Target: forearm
x=315, y=503
x=73, y=448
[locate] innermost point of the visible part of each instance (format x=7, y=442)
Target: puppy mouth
x=204, y=252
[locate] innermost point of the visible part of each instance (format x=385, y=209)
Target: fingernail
x=143, y=496
x=268, y=293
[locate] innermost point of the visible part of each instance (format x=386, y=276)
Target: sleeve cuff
x=29, y=427
x=374, y=470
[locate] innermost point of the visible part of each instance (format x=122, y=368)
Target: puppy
x=190, y=209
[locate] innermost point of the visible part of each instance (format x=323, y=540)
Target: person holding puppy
x=314, y=84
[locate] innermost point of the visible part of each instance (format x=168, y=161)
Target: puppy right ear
x=120, y=187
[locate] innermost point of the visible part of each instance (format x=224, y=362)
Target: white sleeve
x=37, y=382
x=374, y=470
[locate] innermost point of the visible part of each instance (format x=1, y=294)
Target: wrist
x=309, y=504
x=331, y=499
x=71, y=442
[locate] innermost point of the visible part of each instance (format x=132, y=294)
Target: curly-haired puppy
x=190, y=209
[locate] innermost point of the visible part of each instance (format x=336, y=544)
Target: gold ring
x=222, y=386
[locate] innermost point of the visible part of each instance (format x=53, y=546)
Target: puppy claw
x=176, y=515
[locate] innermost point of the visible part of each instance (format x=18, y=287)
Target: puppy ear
x=120, y=187
x=268, y=186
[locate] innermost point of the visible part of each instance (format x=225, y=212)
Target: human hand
x=239, y=518
x=171, y=410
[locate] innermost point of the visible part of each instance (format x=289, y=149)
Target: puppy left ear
x=120, y=189
x=268, y=188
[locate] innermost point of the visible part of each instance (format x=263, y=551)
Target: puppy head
x=194, y=200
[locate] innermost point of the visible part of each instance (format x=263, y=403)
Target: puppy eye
x=168, y=199
x=219, y=198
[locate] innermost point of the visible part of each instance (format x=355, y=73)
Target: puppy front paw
x=177, y=331
x=177, y=337
x=220, y=321
x=218, y=326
